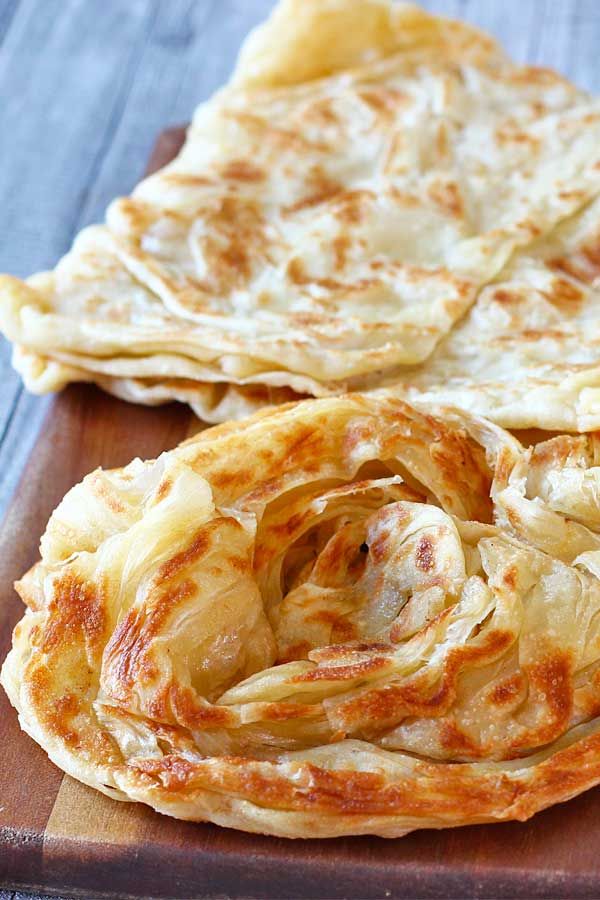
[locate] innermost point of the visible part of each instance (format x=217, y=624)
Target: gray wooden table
x=85, y=86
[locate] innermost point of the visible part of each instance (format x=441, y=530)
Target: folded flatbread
x=528, y=352
x=335, y=211
x=345, y=616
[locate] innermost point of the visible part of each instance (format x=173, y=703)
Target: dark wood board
x=58, y=835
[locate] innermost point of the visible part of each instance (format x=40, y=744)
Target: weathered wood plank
x=19, y=895
x=7, y=11
x=86, y=87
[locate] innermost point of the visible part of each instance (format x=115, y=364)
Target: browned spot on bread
x=385, y=706
x=569, y=266
x=283, y=712
x=76, y=605
x=65, y=715
x=358, y=431
x=60, y=714
x=514, y=518
x=504, y=466
x=531, y=227
x=128, y=655
x=425, y=558
x=531, y=334
x=555, y=452
x=463, y=464
x=282, y=139
x=379, y=546
x=343, y=673
x=295, y=651
x=341, y=628
x=304, y=443
x=243, y=170
x=232, y=477
x=192, y=711
x=289, y=526
x=583, y=263
x=442, y=143
x=564, y=294
x=105, y=492
x=240, y=563
x=552, y=679
x=591, y=251
x=507, y=690
x=511, y=134
x=344, y=651
x=510, y=578
x=311, y=320
x=538, y=75
x=410, y=200
x=341, y=245
x=384, y=100
x=551, y=688
x=352, y=206
x=57, y=713
x=234, y=241
x=395, y=146
x=186, y=180
x=164, y=488
x=296, y=271
x=264, y=491
x=138, y=215
x=199, y=544
x=322, y=112
x=507, y=297
x=446, y=194
x=320, y=187
x=457, y=743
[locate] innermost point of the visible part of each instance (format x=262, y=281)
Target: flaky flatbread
x=346, y=616
x=528, y=352
x=334, y=213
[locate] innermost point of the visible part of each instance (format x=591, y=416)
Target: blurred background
x=86, y=85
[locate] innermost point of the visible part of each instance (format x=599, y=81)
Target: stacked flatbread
x=345, y=616
x=336, y=210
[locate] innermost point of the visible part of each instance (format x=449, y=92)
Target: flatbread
x=528, y=352
x=346, y=616
x=333, y=214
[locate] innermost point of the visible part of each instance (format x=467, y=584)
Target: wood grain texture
x=58, y=835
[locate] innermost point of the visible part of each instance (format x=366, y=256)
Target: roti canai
x=335, y=211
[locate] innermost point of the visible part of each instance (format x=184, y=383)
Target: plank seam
x=11, y=413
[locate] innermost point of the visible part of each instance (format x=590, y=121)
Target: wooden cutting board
x=57, y=835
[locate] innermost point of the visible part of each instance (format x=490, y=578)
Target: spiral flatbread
x=346, y=616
